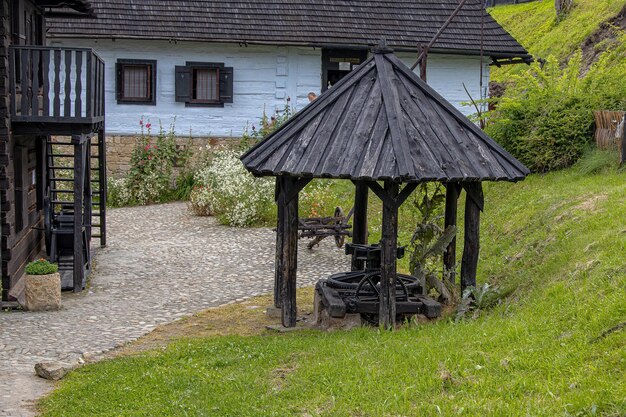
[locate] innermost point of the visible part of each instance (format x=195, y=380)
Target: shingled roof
x=381, y=122
x=340, y=23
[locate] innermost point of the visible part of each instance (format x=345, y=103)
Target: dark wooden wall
x=17, y=246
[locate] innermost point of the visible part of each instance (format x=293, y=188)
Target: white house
x=215, y=65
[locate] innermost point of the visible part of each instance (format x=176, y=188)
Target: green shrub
x=151, y=176
x=226, y=190
x=41, y=267
x=545, y=117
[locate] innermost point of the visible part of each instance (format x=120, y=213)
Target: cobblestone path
x=160, y=264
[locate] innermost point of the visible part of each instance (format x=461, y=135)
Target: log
x=289, y=200
x=449, y=256
x=469, y=263
x=389, y=251
x=278, y=265
x=359, y=230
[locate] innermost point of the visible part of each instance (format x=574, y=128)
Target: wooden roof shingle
x=346, y=23
x=381, y=122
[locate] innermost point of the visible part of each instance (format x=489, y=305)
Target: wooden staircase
x=76, y=183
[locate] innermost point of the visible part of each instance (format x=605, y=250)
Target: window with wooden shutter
x=208, y=84
x=136, y=81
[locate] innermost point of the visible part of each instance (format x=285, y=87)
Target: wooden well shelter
x=387, y=131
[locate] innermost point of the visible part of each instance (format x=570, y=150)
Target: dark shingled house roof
x=81, y=6
x=339, y=23
x=382, y=122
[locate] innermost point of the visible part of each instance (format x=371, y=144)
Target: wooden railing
x=56, y=85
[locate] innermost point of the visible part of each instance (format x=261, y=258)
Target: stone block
x=42, y=292
x=52, y=371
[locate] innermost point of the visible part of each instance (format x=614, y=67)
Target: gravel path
x=160, y=264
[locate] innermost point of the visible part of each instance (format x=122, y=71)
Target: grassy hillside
x=555, y=242
x=535, y=26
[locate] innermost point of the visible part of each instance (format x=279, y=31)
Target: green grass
x=555, y=243
x=535, y=26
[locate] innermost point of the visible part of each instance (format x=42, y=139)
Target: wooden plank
x=78, y=103
x=471, y=248
x=372, y=151
x=45, y=59
x=80, y=151
x=67, y=104
x=391, y=103
x=430, y=149
x=56, y=104
x=256, y=156
x=90, y=85
x=12, y=86
x=449, y=256
x=25, y=87
x=359, y=138
x=290, y=253
x=102, y=185
x=338, y=152
x=435, y=135
x=523, y=171
x=389, y=252
x=278, y=260
x=35, y=90
x=360, y=231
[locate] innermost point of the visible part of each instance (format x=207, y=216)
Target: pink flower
x=141, y=122
x=148, y=126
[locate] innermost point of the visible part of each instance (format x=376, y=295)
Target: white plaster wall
x=264, y=76
x=447, y=74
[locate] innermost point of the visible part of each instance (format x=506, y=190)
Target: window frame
x=151, y=66
x=184, y=84
x=193, y=86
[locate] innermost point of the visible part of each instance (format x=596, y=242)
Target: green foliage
x=536, y=27
x=151, y=176
x=253, y=135
x=545, y=118
x=596, y=161
x=41, y=267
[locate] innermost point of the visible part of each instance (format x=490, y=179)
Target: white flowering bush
x=223, y=188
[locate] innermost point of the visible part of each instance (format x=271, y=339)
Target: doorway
x=337, y=63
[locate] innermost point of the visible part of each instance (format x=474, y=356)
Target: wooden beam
x=469, y=263
x=287, y=249
x=359, y=224
x=79, y=194
x=389, y=252
x=278, y=266
x=449, y=256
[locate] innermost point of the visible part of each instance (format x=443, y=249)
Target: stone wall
x=120, y=148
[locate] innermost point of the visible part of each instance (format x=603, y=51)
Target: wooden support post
x=278, y=266
x=79, y=193
x=102, y=185
x=449, y=256
x=424, y=62
x=473, y=207
x=359, y=222
x=287, y=192
x=389, y=253
x=290, y=251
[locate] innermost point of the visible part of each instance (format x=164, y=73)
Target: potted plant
x=42, y=288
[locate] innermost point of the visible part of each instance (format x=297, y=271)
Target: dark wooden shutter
x=183, y=84
x=119, y=81
x=20, y=178
x=226, y=85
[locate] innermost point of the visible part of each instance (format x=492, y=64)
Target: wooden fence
x=609, y=129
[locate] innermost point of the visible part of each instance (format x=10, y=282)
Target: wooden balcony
x=57, y=89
